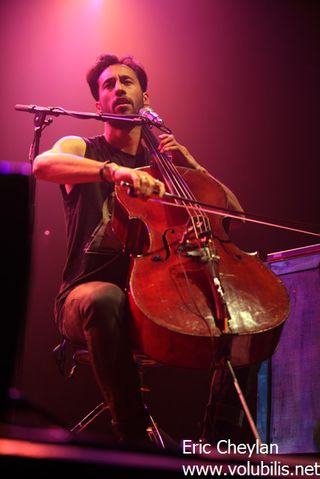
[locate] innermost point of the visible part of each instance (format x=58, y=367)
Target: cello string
x=185, y=186
x=200, y=220
x=193, y=213
x=209, y=251
x=163, y=164
x=179, y=184
x=207, y=321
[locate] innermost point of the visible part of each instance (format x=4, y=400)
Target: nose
x=119, y=88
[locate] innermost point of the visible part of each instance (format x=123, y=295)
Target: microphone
x=150, y=114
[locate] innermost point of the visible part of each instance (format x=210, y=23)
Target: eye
x=108, y=84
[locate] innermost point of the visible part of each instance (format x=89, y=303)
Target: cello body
x=171, y=300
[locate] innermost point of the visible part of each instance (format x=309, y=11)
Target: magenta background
x=236, y=80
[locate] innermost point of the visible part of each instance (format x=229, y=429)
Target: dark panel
x=15, y=254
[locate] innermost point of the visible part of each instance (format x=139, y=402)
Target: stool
x=81, y=356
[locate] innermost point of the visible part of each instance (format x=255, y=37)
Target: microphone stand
x=40, y=123
x=57, y=111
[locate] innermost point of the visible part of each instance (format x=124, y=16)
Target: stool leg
x=154, y=434
x=152, y=431
x=90, y=417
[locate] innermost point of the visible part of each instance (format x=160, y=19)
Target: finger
x=136, y=181
x=146, y=186
x=166, y=139
x=161, y=188
x=169, y=148
x=151, y=186
x=158, y=187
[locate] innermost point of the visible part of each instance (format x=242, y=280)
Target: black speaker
x=289, y=386
x=15, y=246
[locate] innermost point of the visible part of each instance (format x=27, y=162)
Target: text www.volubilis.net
x=261, y=469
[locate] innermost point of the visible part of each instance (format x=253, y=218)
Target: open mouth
x=121, y=102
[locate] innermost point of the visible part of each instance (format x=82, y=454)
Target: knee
x=104, y=302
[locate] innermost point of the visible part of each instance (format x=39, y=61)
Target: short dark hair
x=104, y=61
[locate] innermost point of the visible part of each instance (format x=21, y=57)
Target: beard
x=123, y=124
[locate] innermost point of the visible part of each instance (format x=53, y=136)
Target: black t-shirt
x=94, y=253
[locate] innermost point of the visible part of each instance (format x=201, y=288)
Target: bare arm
x=65, y=164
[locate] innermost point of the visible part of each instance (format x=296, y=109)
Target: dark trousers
x=94, y=317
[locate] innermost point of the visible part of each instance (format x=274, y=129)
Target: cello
x=194, y=295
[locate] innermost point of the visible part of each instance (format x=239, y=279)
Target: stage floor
x=54, y=451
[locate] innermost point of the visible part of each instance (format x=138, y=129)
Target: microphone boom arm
x=58, y=110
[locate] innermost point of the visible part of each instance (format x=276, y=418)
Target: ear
x=145, y=99
x=98, y=107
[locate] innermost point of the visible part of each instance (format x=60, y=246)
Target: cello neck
x=163, y=162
